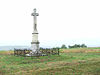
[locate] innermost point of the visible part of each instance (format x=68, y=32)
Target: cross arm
x=34, y=14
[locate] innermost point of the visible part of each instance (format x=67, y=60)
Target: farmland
x=78, y=61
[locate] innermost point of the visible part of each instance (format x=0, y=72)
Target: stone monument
x=35, y=42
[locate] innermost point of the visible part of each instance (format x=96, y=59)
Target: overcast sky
x=59, y=22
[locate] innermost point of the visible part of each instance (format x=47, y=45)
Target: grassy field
x=80, y=61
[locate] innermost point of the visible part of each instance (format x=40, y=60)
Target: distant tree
x=41, y=48
x=57, y=47
x=83, y=45
x=71, y=46
x=63, y=46
x=77, y=46
x=74, y=46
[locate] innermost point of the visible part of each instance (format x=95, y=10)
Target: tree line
x=74, y=46
x=69, y=46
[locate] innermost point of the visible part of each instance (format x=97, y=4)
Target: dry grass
x=6, y=52
x=80, y=50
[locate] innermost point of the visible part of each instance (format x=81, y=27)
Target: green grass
x=71, y=63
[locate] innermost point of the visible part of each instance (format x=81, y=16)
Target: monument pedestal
x=35, y=49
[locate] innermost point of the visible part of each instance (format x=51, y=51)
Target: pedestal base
x=35, y=49
x=34, y=54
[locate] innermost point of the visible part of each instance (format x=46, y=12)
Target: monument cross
x=35, y=19
x=35, y=42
